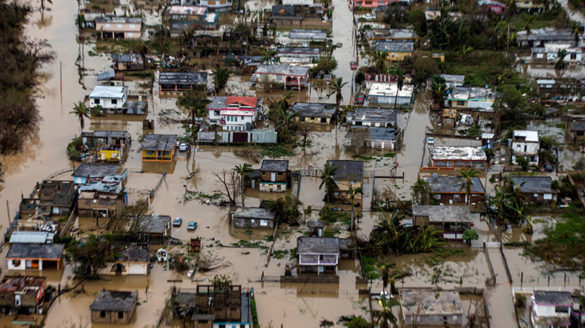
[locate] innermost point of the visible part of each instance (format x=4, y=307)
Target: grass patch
x=280, y=253
x=276, y=151
x=249, y=244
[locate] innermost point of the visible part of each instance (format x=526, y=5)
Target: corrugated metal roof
x=31, y=237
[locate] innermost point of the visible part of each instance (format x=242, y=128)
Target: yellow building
x=397, y=51
x=110, y=153
x=158, y=147
x=320, y=113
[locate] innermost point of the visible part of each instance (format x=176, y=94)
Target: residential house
x=449, y=117
x=110, y=78
x=158, y=147
x=532, y=5
x=576, y=131
x=525, y=144
x=298, y=52
x=560, y=87
x=156, y=227
x=89, y=15
x=182, y=81
x=187, y=18
x=458, y=157
x=452, y=80
x=297, y=16
x=103, y=199
x=113, y=307
x=538, y=37
x=348, y=175
x=376, y=34
x=113, y=27
x=56, y=197
x=212, y=307
x=92, y=172
x=321, y=113
x=258, y=136
x=372, y=137
x=373, y=117
x=549, y=53
x=395, y=50
x=274, y=175
x=388, y=94
x=130, y=62
x=132, y=260
x=451, y=190
x=18, y=293
x=308, y=35
x=451, y=221
x=34, y=256
x=31, y=237
x=471, y=98
x=234, y=113
x=216, y=5
x=535, y=189
x=110, y=98
x=285, y=75
x=376, y=3
x=252, y=217
x=431, y=308
x=220, y=43
x=110, y=146
x=550, y=309
x=318, y=254
x=491, y=7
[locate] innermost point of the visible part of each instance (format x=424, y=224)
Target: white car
x=183, y=146
x=430, y=140
x=369, y=17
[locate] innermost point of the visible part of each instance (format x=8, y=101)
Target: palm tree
x=328, y=180
x=82, y=112
x=527, y=25
x=465, y=50
x=196, y=102
x=242, y=170
x=468, y=176
x=352, y=194
x=427, y=239
x=380, y=61
x=560, y=64
x=385, y=315
x=438, y=90
x=420, y=192
x=576, y=32
x=336, y=88
x=399, y=73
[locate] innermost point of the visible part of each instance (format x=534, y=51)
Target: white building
x=386, y=93
x=525, y=143
x=287, y=75
x=109, y=97
x=234, y=113
x=549, y=53
x=551, y=309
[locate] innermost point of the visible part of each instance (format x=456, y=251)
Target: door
x=272, y=176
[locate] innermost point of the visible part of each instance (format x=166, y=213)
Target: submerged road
x=343, y=32
x=500, y=301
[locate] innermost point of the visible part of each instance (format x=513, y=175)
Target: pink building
x=376, y=3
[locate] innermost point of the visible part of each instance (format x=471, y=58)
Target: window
x=461, y=103
x=130, y=34
x=119, y=25
x=216, y=113
x=102, y=314
x=114, y=101
x=241, y=118
x=120, y=315
x=132, y=26
x=96, y=101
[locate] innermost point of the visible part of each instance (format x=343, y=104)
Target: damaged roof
x=183, y=78
x=453, y=184
x=430, y=302
x=532, y=184
x=321, y=245
x=445, y=153
x=314, y=109
x=348, y=170
x=114, y=300
x=547, y=297
x=87, y=170
x=155, y=223
x=440, y=213
x=106, y=91
x=134, y=254
x=370, y=114
x=35, y=251
x=164, y=142
x=274, y=165
x=318, y=35
x=254, y=213
x=287, y=70
x=394, y=46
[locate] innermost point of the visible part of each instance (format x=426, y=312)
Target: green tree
x=196, y=103
x=439, y=90
x=399, y=73
x=243, y=170
x=286, y=209
x=354, y=321
x=468, y=176
x=380, y=61
x=469, y=235
x=220, y=78
x=420, y=192
x=328, y=180
x=90, y=255
x=81, y=112
x=385, y=317
x=417, y=19
x=561, y=65
x=352, y=193
x=336, y=88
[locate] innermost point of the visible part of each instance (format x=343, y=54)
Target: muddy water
x=343, y=31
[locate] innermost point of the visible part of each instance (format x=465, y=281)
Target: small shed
x=431, y=308
x=252, y=217
x=113, y=307
x=34, y=256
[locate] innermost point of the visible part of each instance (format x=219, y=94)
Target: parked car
x=192, y=226
x=183, y=146
x=430, y=140
x=360, y=99
x=177, y=222
x=369, y=17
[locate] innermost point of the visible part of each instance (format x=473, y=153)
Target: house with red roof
x=234, y=113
